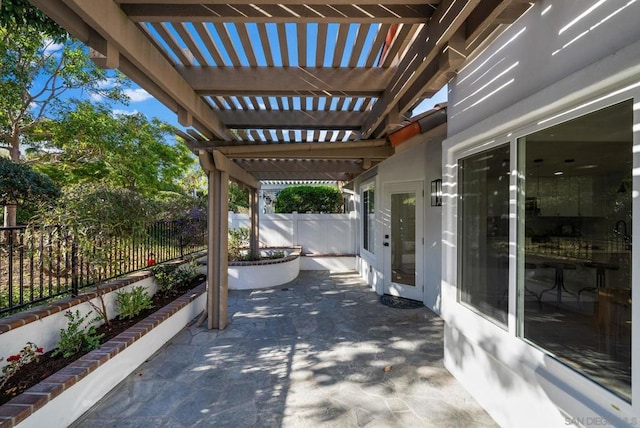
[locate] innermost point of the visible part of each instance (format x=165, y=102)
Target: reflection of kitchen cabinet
x=567, y=205
x=547, y=202
x=585, y=193
x=566, y=196
x=598, y=196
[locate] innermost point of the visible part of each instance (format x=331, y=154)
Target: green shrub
x=315, y=199
x=130, y=303
x=163, y=276
x=185, y=274
x=238, y=240
x=170, y=277
x=76, y=336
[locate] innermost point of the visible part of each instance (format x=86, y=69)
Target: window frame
x=369, y=186
x=555, y=364
x=461, y=156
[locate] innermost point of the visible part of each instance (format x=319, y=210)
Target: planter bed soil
x=36, y=371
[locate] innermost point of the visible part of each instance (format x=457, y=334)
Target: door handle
x=386, y=244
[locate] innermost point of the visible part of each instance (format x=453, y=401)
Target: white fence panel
x=316, y=233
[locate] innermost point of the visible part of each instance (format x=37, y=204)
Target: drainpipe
x=423, y=123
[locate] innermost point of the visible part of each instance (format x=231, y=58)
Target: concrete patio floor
x=320, y=351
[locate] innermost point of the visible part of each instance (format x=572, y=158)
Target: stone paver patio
x=319, y=351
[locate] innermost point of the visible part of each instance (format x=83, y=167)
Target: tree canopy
x=21, y=13
x=305, y=198
x=21, y=184
x=56, y=106
x=93, y=144
x=42, y=69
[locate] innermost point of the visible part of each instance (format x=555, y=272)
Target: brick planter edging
x=27, y=403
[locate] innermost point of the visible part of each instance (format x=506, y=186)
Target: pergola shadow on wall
x=298, y=90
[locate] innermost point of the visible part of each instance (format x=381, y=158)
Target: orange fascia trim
x=403, y=134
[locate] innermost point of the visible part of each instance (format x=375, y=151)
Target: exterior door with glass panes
x=403, y=240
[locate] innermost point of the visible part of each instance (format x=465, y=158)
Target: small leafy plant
x=29, y=353
x=170, y=277
x=163, y=276
x=130, y=304
x=77, y=336
x=238, y=240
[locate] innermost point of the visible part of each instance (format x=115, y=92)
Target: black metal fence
x=39, y=264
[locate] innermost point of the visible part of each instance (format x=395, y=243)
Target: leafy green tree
x=21, y=13
x=26, y=189
x=306, y=198
x=21, y=185
x=238, y=198
x=92, y=144
x=41, y=67
x=194, y=181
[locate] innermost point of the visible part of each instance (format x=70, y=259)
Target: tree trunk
x=10, y=210
x=10, y=215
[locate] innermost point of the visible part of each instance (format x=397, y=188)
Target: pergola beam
x=307, y=176
x=446, y=20
x=291, y=81
x=300, y=165
x=283, y=2
x=275, y=13
x=223, y=163
x=373, y=149
x=274, y=119
x=112, y=24
x=293, y=153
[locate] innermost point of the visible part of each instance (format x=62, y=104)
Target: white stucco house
x=529, y=259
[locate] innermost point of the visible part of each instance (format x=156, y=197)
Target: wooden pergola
x=297, y=90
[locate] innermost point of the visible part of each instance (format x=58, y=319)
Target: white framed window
x=483, y=232
x=368, y=215
x=575, y=241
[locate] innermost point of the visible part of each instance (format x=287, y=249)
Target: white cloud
x=96, y=97
x=137, y=95
x=107, y=83
x=117, y=112
x=50, y=47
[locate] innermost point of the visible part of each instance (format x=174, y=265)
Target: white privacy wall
x=316, y=233
x=560, y=55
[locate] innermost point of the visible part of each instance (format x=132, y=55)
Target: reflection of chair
x=558, y=284
x=614, y=315
x=529, y=266
x=600, y=275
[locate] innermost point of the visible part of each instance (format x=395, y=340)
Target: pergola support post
x=217, y=262
x=219, y=169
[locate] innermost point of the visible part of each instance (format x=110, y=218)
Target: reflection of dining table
x=558, y=283
x=601, y=269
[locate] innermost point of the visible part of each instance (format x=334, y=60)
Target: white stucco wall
x=504, y=93
x=421, y=163
x=538, y=50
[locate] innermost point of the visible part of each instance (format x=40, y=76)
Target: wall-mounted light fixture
x=436, y=193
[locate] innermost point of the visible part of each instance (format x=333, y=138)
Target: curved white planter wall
x=264, y=274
